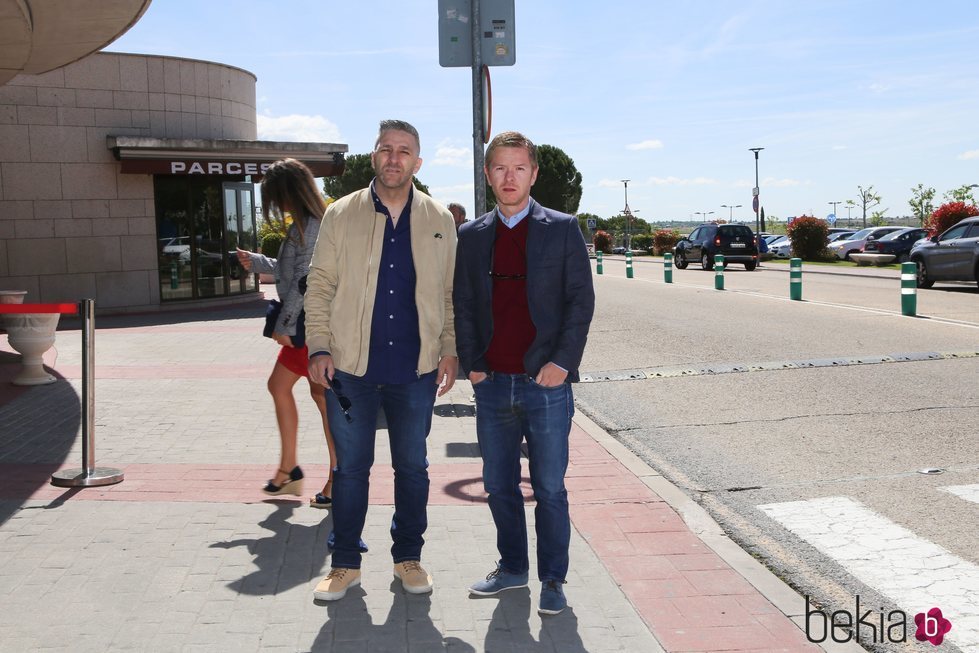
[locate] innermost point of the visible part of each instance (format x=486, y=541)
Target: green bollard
x=628, y=265
x=668, y=267
x=795, y=279
x=598, y=258
x=718, y=272
x=909, y=288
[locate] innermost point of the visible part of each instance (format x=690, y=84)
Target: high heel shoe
x=293, y=484
x=323, y=499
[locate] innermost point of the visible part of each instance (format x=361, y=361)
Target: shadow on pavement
x=509, y=628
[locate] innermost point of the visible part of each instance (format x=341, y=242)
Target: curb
x=701, y=524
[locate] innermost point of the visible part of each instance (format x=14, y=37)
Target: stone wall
x=72, y=226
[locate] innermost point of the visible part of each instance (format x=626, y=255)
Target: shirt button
x=392, y=240
x=391, y=292
x=390, y=317
x=392, y=265
x=390, y=342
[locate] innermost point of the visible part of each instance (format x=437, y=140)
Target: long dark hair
x=288, y=185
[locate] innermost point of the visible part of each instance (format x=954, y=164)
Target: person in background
x=458, y=212
x=289, y=187
x=521, y=332
x=380, y=334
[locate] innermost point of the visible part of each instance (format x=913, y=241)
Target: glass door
x=239, y=229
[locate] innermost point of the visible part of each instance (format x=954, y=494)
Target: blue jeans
x=509, y=408
x=408, y=410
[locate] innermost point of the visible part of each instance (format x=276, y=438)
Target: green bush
x=271, y=244
x=603, y=242
x=665, y=240
x=642, y=242
x=808, y=236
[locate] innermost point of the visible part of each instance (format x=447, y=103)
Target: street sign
x=831, y=218
x=496, y=26
x=754, y=204
x=593, y=223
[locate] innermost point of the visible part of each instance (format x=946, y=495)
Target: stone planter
x=12, y=296
x=31, y=335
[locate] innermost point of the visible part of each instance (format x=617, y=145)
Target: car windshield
x=860, y=235
x=893, y=235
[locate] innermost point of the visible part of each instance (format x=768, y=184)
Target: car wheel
x=847, y=257
x=705, y=262
x=903, y=257
x=750, y=267
x=922, y=277
x=681, y=261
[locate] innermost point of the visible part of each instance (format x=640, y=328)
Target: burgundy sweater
x=513, y=330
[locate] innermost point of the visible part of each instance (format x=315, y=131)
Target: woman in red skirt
x=289, y=187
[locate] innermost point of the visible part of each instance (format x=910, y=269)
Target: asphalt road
x=747, y=400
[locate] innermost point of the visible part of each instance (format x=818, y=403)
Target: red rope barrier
x=64, y=309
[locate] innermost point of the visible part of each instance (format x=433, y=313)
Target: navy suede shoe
x=498, y=581
x=552, y=599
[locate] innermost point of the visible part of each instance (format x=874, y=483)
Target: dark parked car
x=951, y=256
x=898, y=243
x=735, y=241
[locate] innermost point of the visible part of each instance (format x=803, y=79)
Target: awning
x=226, y=158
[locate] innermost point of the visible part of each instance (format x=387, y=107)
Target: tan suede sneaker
x=336, y=584
x=413, y=577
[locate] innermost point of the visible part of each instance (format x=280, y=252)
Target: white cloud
x=298, y=128
x=676, y=181
x=771, y=182
x=839, y=147
x=455, y=157
x=971, y=154
x=652, y=144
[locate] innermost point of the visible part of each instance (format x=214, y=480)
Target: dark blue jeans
x=509, y=408
x=408, y=410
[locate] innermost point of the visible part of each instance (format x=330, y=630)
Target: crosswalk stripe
x=913, y=572
x=967, y=492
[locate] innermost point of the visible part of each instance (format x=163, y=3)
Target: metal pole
x=89, y=475
x=756, y=200
x=479, y=179
x=628, y=217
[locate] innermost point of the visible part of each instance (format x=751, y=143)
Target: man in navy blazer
x=523, y=301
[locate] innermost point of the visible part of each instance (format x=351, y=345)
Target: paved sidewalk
x=187, y=554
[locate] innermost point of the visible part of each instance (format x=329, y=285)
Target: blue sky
x=668, y=95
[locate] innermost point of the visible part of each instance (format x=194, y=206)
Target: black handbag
x=272, y=316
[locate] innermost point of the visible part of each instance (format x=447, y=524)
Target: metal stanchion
x=909, y=288
x=795, y=279
x=89, y=475
x=628, y=265
x=598, y=258
x=718, y=272
x=668, y=267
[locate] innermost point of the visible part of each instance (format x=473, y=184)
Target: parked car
x=951, y=256
x=843, y=248
x=735, y=241
x=898, y=243
x=781, y=249
x=839, y=235
x=771, y=239
x=618, y=250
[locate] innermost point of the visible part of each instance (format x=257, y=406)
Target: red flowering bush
x=603, y=242
x=664, y=240
x=808, y=236
x=947, y=215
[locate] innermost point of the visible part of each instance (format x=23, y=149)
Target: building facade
x=130, y=179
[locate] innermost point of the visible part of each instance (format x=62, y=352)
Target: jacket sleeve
x=447, y=339
x=262, y=264
x=322, y=285
x=464, y=308
x=579, y=300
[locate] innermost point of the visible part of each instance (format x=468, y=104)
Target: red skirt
x=296, y=360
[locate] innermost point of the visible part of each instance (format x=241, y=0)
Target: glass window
x=196, y=247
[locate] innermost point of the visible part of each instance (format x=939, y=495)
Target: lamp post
x=628, y=217
x=703, y=213
x=834, y=210
x=728, y=206
x=755, y=198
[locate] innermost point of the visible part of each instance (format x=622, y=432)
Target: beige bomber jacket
x=343, y=275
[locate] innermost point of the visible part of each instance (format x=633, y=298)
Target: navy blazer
x=559, y=291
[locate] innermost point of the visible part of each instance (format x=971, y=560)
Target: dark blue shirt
x=395, y=340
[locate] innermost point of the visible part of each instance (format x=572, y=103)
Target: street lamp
x=728, y=206
x=628, y=217
x=703, y=214
x=755, y=199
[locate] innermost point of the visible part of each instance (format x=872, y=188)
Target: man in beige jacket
x=380, y=331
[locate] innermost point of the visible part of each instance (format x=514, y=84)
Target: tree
x=850, y=205
x=762, y=218
x=961, y=194
x=357, y=174
x=558, y=183
x=949, y=214
x=920, y=202
x=867, y=200
x=808, y=235
x=603, y=242
x=583, y=219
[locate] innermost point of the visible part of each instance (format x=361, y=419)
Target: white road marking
x=913, y=572
x=967, y=492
